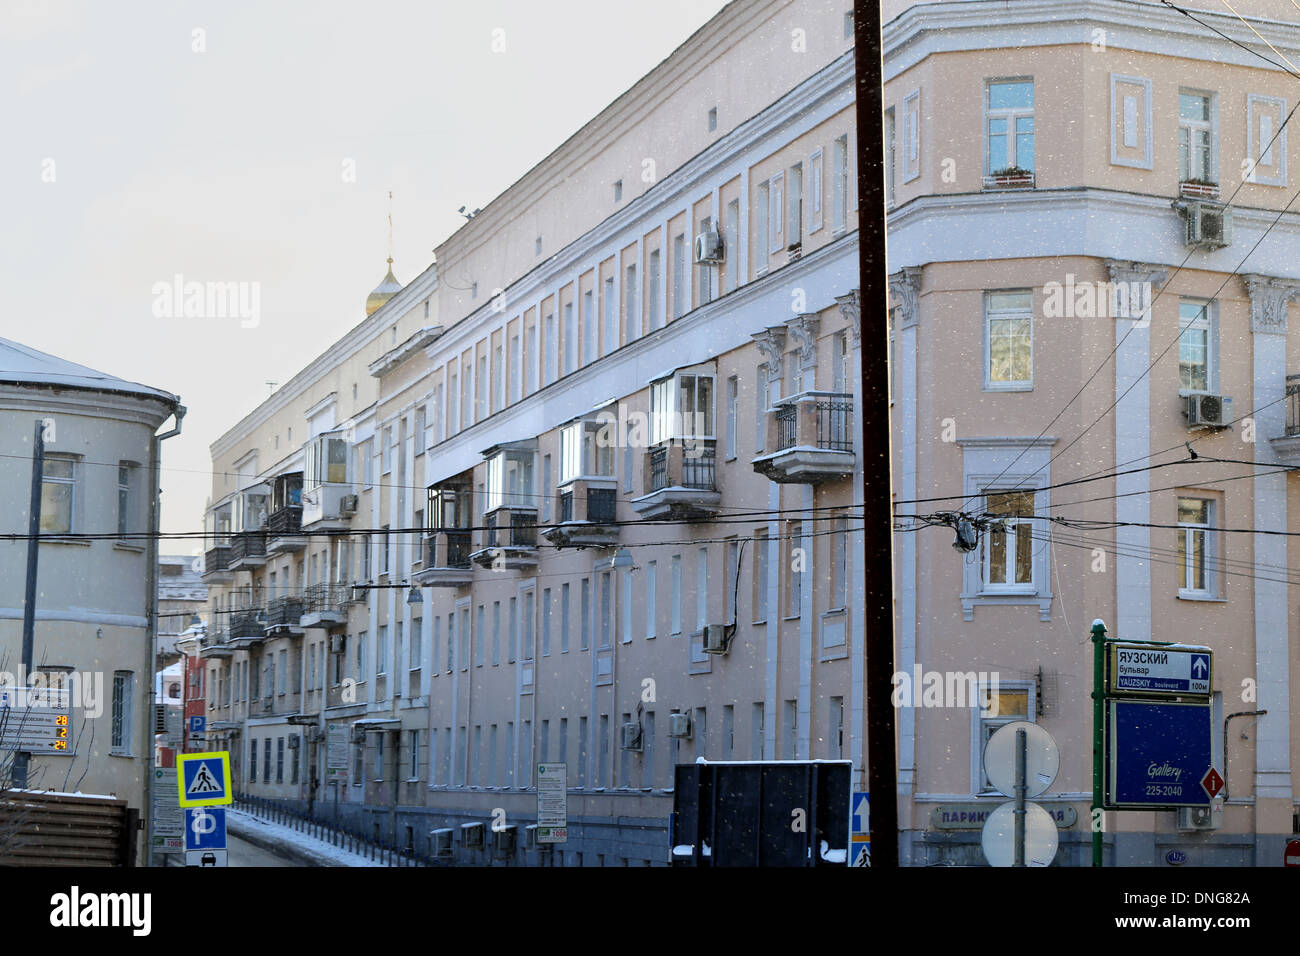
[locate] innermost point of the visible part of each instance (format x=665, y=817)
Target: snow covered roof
x=26, y=366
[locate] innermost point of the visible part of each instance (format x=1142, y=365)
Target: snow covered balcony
x=681, y=477
x=812, y=433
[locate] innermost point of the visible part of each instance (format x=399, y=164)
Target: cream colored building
x=1036, y=152
x=645, y=348
x=95, y=617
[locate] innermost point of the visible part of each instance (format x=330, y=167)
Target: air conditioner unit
x=1197, y=818
x=679, y=725
x=1214, y=411
x=441, y=842
x=630, y=736
x=708, y=247
x=504, y=839
x=715, y=639
x=160, y=718
x=471, y=835
x=1208, y=224
x=295, y=742
x=336, y=643
x=348, y=505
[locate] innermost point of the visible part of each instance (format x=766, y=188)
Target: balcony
x=326, y=605
x=215, y=645
x=216, y=565
x=283, y=615
x=510, y=540
x=587, y=509
x=1287, y=445
x=813, y=436
x=447, y=563
x=681, y=476
x=247, y=550
x=283, y=531
x=247, y=629
x=1010, y=178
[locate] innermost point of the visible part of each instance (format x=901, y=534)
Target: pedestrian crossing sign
x=205, y=779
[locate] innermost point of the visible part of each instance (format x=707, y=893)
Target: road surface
x=243, y=853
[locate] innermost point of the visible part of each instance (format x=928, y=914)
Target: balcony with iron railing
x=510, y=540
x=587, y=512
x=681, y=478
x=284, y=614
x=1287, y=445
x=284, y=530
x=812, y=437
x=216, y=564
x=215, y=644
x=447, y=560
x=326, y=605
x=247, y=628
x=247, y=550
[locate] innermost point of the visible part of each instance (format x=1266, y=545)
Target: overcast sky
x=129, y=158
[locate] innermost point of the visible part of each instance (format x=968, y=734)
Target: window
x=890, y=142
x=266, y=760
x=835, y=729
x=1197, y=347
x=546, y=483
x=776, y=213
x=453, y=402
x=815, y=191
x=627, y=605
x=1196, y=548
x=481, y=389
x=681, y=407
x=1008, y=701
x=911, y=141
x=480, y=635
x=588, y=327
x=496, y=633
x=582, y=454
x=731, y=248
x=284, y=672
x=529, y=358
x=762, y=200
x=618, y=191
x=417, y=643
x=58, y=486
x=564, y=618
x=794, y=205
x=679, y=276
x=510, y=480
x=839, y=563
x=1009, y=343
x=651, y=597
x=551, y=348
x=123, y=712
x=361, y=656
x=1196, y=137
x=648, y=750
x=386, y=449
x=733, y=414
x=794, y=568
x=379, y=757
x=252, y=760
x=1010, y=117
x=760, y=409
x=728, y=731
x=632, y=328
x=654, y=290
x=415, y=755
x=611, y=331
x=760, y=576
x=279, y=760
x=677, y=596
x=126, y=511
x=383, y=551
x=713, y=119
x=546, y=624
x=498, y=378
x=1007, y=550
x=585, y=608
x=582, y=752
x=421, y=430
x=705, y=270
x=789, y=729
x=570, y=339
x=729, y=582
x=606, y=608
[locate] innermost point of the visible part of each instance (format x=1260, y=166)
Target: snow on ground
x=321, y=851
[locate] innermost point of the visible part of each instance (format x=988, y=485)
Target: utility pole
x=29, y=604
x=878, y=520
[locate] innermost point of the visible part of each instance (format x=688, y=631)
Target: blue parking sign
x=205, y=828
x=198, y=723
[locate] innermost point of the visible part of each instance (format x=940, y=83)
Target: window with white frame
x=123, y=712
x=1197, y=347
x=776, y=213
x=733, y=415
x=581, y=454
x=58, y=494
x=126, y=498
x=1008, y=340
x=386, y=449
x=588, y=327
x=1196, y=116
x=421, y=429
x=681, y=407
x=498, y=378
x=680, y=306
x=1007, y=702
x=1007, y=545
x=815, y=191
x=731, y=248
x=1009, y=114
x=529, y=358
x=632, y=329
x=654, y=292
x=510, y=481
x=570, y=339
x=794, y=205
x=761, y=203
x=911, y=136
x=608, y=303
x=551, y=352
x=1196, y=547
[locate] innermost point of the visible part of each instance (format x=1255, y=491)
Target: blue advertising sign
x=1157, y=754
x=205, y=828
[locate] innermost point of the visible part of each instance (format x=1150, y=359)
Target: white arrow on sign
x=1199, y=667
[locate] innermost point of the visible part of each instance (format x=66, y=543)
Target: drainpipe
x=1240, y=713
x=151, y=622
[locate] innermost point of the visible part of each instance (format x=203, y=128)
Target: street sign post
x=1159, y=752
x=168, y=817
x=1159, y=670
x=552, y=803
x=1022, y=760
x=859, y=829
x=204, y=779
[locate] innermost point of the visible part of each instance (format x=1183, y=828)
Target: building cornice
x=927, y=29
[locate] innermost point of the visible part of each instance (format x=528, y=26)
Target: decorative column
x=1273, y=790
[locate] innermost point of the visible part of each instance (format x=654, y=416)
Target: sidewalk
x=302, y=848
